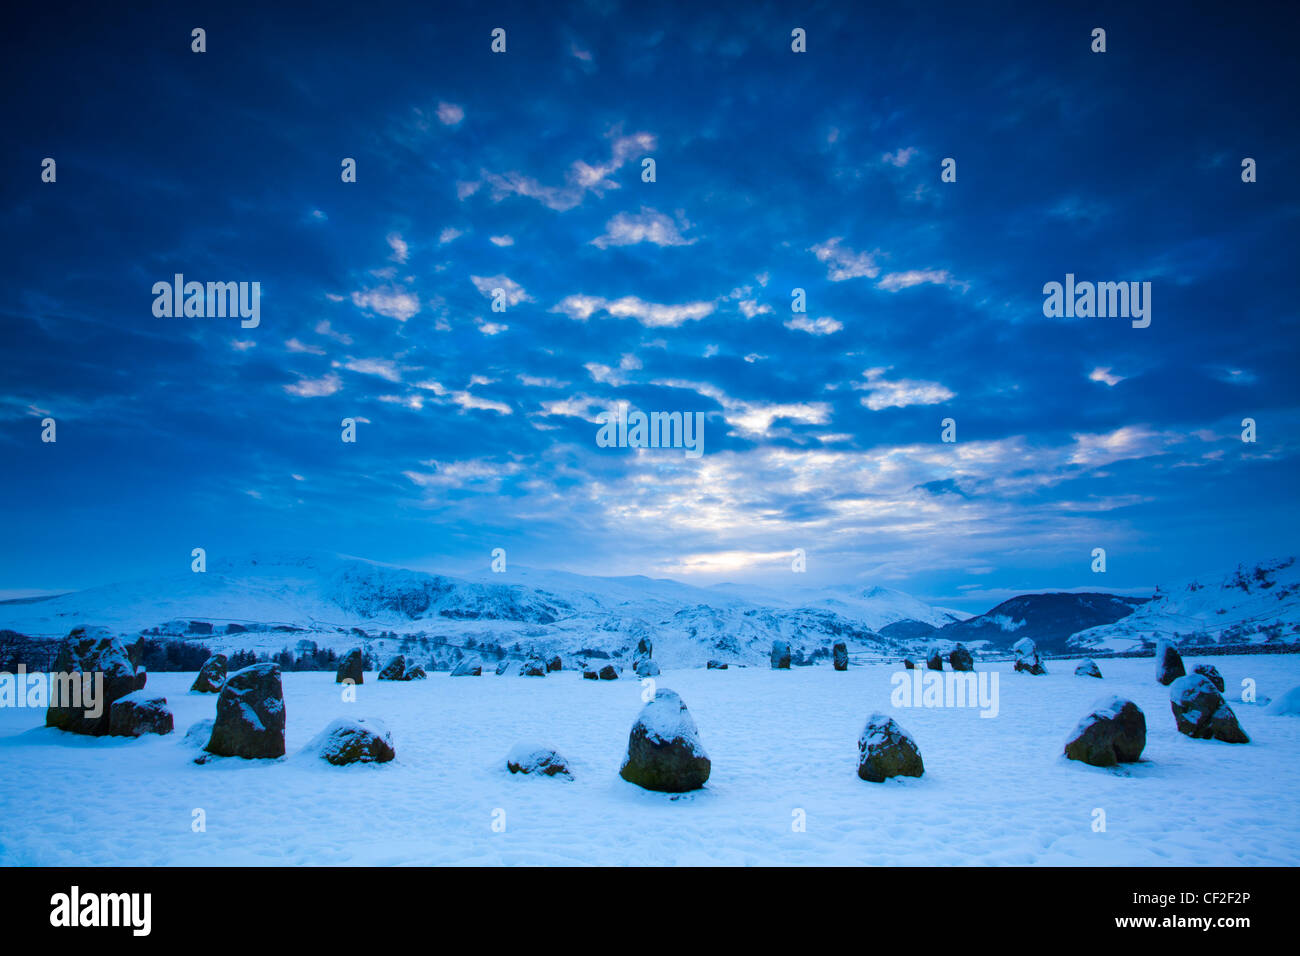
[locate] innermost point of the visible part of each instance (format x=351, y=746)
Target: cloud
x=399, y=247
x=899, y=158
x=501, y=241
x=649, y=314
x=388, y=301
x=582, y=178
x=323, y=328
x=468, y=400
x=514, y=292
x=1131, y=441
x=449, y=235
x=901, y=393
x=384, y=368
x=315, y=388
x=293, y=345
x=755, y=418
x=449, y=114
x=823, y=326
x=843, y=263
x=895, y=281
x=647, y=226
x=751, y=307
x=1100, y=374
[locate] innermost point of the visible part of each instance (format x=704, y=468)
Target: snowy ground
x=995, y=791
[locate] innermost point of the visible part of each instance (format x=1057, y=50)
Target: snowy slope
x=269, y=601
x=1047, y=619
x=1255, y=604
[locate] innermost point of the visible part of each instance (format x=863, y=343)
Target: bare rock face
x=1201, y=712
x=1114, y=732
x=961, y=659
x=1087, y=668
x=353, y=740
x=1211, y=673
x=138, y=713
x=85, y=660
x=780, y=656
x=535, y=758
x=1169, y=664
x=663, y=750
x=840, y=656
x=250, y=715
x=351, y=668
x=211, y=675
x=887, y=750
x=395, y=669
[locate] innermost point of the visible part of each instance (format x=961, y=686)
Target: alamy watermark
x=927, y=688
x=1105, y=300
x=212, y=300
x=621, y=429
x=71, y=691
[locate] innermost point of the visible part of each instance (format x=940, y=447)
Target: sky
x=774, y=171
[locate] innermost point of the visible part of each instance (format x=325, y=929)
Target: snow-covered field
x=995, y=791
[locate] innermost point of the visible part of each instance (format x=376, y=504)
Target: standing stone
x=609, y=672
x=138, y=713
x=81, y=661
x=395, y=669
x=1114, y=732
x=1212, y=673
x=415, y=672
x=351, y=668
x=533, y=667
x=1201, y=712
x=1169, y=664
x=468, y=667
x=663, y=750
x=353, y=740
x=961, y=659
x=644, y=651
x=250, y=714
x=554, y=664
x=1027, y=659
x=1087, y=668
x=536, y=758
x=647, y=668
x=887, y=750
x=211, y=675
x=909, y=663
x=780, y=656
x=840, y=656
x=934, y=659
x=715, y=665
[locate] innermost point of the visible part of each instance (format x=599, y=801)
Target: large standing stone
x=934, y=659
x=415, y=672
x=780, y=655
x=1027, y=659
x=1210, y=672
x=83, y=662
x=887, y=750
x=138, y=713
x=1114, y=732
x=647, y=668
x=530, y=757
x=351, y=668
x=609, y=672
x=250, y=714
x=533, y=667
x=468, y=667
x=1201, y=712
x=909, y=663
x=1087, y=668
x=353, y=740
x=554, y=664
x=1169, y=664
x=211, y=675
x=961, y=659
x=395, y=669
x=840, y=656
x=663, y=750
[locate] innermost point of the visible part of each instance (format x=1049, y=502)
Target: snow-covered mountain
x=1048, y=619
x=1252, y=604
x=269, y=601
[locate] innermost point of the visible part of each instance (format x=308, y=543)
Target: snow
x=995, y=791
x=1286, y=705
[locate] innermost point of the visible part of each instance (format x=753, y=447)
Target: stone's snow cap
x=1187, y=687
x=666, y=719
x=1025, y=647
x=353, y=740
x=533, y=757
x=1107, y=708
x=880, y=727
x=1287, y=705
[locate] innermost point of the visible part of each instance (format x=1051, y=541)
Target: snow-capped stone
x=961, y=659
x=644, y=650
x=663, y=750
x=934, y=659
x=353, y=740
x=909, y=664
x=590, y=673
x=1211, y=672
x=85, y=653
x=138, y=713
x=608, y=672
x=1169, y=663
x=531, y=757
x=716, y=665
x=840, y=656
x=1087, y=668
x=533, y=667
x=211, y=675
x=196, y=738
x=886, y=750
x=414, y=672
x=395, y=669
x=250, y=714
x=1114, y=732
x=1288, y=705
x=780, y=655
x=1201, y=712
x=351, y=668
x=1027, y=659
x=468, y=667
x=554, y=664
x=504, y=666
x=646, y=668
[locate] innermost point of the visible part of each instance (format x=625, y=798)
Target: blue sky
x=775, y=170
